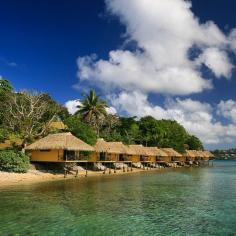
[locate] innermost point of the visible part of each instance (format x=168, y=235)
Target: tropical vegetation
x=26, y=115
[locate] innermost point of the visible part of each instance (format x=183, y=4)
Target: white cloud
x=71, y=106
x=111, y=110
x=195, y=116
x=218, y=61
x=227, y=109
x=161, y=60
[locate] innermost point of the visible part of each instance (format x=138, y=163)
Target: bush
x=13, y=161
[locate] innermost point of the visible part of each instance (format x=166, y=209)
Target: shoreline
x=8, y=179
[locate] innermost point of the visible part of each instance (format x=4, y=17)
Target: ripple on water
x=179, y=202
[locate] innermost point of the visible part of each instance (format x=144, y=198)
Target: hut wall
x=93, y=157
x=152, y=158
x=47, y=155
x=182, y=158
x=112, y=157
x=165, y=159
x=133, y=158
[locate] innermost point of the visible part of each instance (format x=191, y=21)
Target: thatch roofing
x=208, y=154
x=64, y=141
x=101, y=145
x=138, y=149
x=171, y=152
x=116, y=147
x=154, y=151
x=191, y=153
x=110, y=147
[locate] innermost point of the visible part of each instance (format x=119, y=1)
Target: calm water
x=200, y=201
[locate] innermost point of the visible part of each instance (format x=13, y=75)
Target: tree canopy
x=27, y=114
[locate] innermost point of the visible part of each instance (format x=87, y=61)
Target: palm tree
x=93, y=109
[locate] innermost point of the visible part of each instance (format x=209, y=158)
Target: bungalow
x=61, y=147
x=110, y=151
x=173, y=155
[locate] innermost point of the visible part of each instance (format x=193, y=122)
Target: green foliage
x=174, y=135
x=81, y=130
x=3, y=134
x=93, y=110
x=5, y=86
x=194, y=143
x=13, y=161
x=162, y=133
x=129, y=130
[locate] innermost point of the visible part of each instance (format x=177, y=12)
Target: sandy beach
x=35, y=176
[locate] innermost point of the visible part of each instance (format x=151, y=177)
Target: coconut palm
x=93, y=109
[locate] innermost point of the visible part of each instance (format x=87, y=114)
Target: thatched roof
x=116, y=147
x=138, y=149
x=64, y=141
x=101, y=145
x=171, y=152
x=191, y=153
x=154, y=151
x=110, y=147
x=200, y=154
x=208, y=154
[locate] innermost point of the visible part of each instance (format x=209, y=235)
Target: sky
x=171, y=59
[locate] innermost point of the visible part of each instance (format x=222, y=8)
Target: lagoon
x=185, y=201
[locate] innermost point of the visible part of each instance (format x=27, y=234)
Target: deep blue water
x=192, y=201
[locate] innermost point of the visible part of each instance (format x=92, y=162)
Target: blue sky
x=41, y=42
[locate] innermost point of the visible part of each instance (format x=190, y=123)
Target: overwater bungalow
x=141, y=152
x=134, y=153
x=155, y=154
x=61, y=147
x=110, y=151
x=190, y=155
x=173, y=155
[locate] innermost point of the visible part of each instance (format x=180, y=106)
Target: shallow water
x=199, y=201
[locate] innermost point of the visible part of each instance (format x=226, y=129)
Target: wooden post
x=115, y=168
x=110, y=168
x=123, y=167
x=131, y=166
x=104, y=172
x=143, y=166
x=86, y=172
x=127, y=167
x=65, y=170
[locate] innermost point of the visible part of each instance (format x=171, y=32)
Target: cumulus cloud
x=161, y=62
x=195, y=116
x=227, y=109
x=218, y=61
x=71, y=106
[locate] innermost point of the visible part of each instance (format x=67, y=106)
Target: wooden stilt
x=131, y=167
x=104, y=172
x=127, y=167
x=65, y=170
x=115, y=168
x=123, y=167
x=86, y=169
x=110, y=168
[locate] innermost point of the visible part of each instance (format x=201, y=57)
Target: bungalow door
x=69, y=155
x=102, y=156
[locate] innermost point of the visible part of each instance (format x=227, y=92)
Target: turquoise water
x=200, y=201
